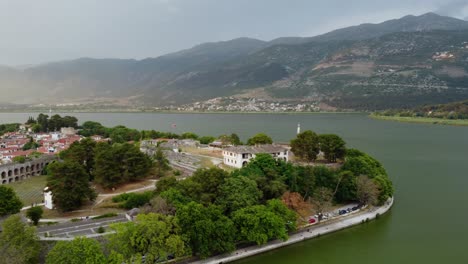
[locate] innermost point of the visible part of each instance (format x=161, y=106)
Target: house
x=239, y=156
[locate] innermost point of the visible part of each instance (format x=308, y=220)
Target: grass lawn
x=215, y=153
x=30, y=190
x=426, y=120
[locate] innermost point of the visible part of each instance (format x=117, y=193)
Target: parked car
x=312, y=221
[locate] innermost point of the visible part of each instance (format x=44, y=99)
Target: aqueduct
x=14, y=172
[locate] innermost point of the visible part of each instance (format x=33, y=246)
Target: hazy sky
x=37, y=31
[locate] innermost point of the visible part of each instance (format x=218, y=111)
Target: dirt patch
x=125, y=187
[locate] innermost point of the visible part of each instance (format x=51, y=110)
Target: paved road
x=81, y=228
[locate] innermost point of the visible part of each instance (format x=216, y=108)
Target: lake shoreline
x=304, y=234
x=60, y=111
x=422, y=120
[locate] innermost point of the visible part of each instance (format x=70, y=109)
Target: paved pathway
x=69, y=230
x=308, y=233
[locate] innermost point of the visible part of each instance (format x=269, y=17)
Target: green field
x=30, y=190
x=426, y=120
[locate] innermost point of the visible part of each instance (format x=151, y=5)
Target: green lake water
x=427, y=163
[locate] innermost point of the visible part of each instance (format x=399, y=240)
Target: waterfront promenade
x=305, y=234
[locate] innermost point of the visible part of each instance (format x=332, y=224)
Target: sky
x=34, y=32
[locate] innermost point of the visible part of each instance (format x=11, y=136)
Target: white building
x=48, y=198
x=239, y=156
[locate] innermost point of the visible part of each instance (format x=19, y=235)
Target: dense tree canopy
x=81, y=152
x=333, y=147
x=209, y=231
x=306, y=145
x=78, y=251
x=154, y=236
x=238, y=192
x=69, y=184
x=9, y=201
x=18, y=242
x=119, y=163
x=259, y=139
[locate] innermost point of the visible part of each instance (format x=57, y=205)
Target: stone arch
x=10, y=173
x=22, y=177
x=16, y=178
x=22, y=170
x=10, y=180
x=16, y=171
x=244, y=163
x=32, y=167
x=3, y=174
x=27, y=168
x=28, y=175
x=4, y=181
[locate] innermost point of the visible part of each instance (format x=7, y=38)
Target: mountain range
x=399, y=63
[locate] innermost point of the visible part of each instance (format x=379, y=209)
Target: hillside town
x=24, y=143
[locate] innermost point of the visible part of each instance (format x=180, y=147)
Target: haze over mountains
x=398, y=63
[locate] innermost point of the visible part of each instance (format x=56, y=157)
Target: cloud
x=454, y=8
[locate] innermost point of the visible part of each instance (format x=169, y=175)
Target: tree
x=259, y=139
x=268, y=173
x=238, y=192
x=204, y=185
x=154, y=236
x=78, y=251
x=160, y=205
x=165, y=183
x=296, y=202
x=279, y=208
x=119, y=163
x=34, y=214
x=333, y=147
x=55, y=123
x=69, y=184
x=306, y=145
x=322, y=200
x=259, y=224
x=208, y=230
x=81, y=152
x=305, y=180
x=360, y=163
x=367, y=191
x=43, y=121
x=189, y=135
x=206, y=140
x=161, y=163
x=70, y=121
x=122, y=134
x=18, y=242
x=235, y=140
x=19, y=159
x=9, y=202
x=30, y=145
x=385, y=188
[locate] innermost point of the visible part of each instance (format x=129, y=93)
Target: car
x=342, y=212
x=312, y=221
x=355, y=208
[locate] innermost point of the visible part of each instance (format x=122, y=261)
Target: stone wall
x=14, y=172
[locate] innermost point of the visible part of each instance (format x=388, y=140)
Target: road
x=81, y=228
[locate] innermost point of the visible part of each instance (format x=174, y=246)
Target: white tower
x=298, y=128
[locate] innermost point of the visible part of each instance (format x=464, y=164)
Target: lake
x=427, y=163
